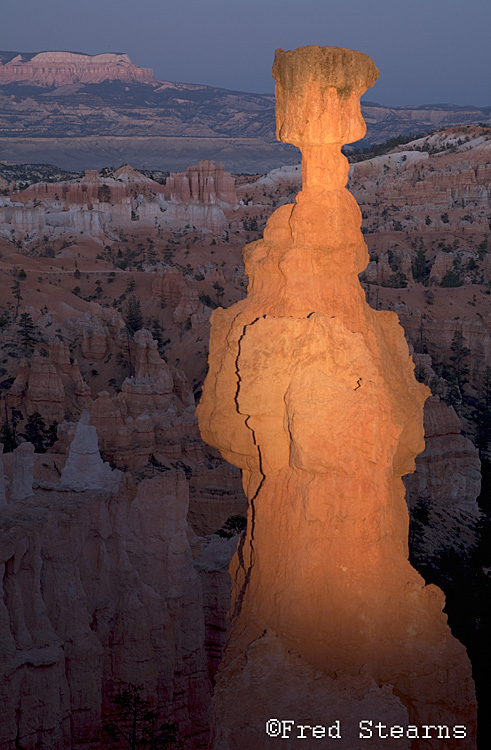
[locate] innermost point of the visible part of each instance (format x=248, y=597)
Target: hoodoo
x=312, y=394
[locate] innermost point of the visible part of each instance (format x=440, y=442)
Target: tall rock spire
x=312, y=394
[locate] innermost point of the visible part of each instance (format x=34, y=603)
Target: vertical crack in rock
x=247, y=572
x=319, y=408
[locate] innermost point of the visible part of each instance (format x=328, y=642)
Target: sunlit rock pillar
x=312, y=394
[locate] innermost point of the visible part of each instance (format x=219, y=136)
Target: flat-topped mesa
x=312, y=394
x=65, y=68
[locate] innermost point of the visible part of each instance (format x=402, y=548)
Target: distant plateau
x=82, y=111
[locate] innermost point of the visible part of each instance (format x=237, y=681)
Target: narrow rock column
x=312, y=394
x=22, y=472
x=3, y=497
x=84, y=468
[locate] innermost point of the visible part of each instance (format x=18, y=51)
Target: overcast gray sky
x=428, y=51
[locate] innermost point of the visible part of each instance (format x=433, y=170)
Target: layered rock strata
x=312, y=394
x=205, y=183
x=99, y=205
x=442, y=492
x=66, y=68
x=98, y=591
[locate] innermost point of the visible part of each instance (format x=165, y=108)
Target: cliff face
x=65, y=68
x=98, y=591
x=442, y=492
x=205, y=183
x=100, y=205
x=312, y=394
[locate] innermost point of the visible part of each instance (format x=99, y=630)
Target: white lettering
x=427, y=728
x=273, y=728
x=302, y=736
x=334, y=731
x=380, y=727
x=287, y=728
x=366, y=727
x=459, y=731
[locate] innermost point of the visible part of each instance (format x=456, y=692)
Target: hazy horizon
x=426, y=54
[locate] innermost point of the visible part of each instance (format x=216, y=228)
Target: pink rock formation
x=205, y=183
x=84, y=468
x=398, y=191
x=42, y=384
x=65, y=68
x=312, y=394
x=172, y=289
x=96, y=204
x=97, y=591
x=153, y=413
x=448, y=472
x=91, y=189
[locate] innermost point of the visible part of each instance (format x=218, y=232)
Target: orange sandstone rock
x=311, y=393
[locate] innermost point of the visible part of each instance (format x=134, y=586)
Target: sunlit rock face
x=312, y=394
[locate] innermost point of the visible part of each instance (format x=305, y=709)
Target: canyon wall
x=100, y=205
x=65, y=68
x=205, y=183
x=101, y=589
x=311, y=393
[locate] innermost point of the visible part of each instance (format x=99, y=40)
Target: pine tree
x=51, y=434
x=151, y=252
x=134, y=724
x=154, y=463
x=219, y=289
x=157, y=332
x=15, y=288
x=420, y=266
x=460, y=369
x=134, y=319
x=35, y=432
x=233, y=526
x=8, y=432
x=7, y=437
x=4, y=318
x=27, y=333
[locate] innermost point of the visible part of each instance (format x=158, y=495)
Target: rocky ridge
x=100, y=205
x=49, y=69
x=74, y=107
